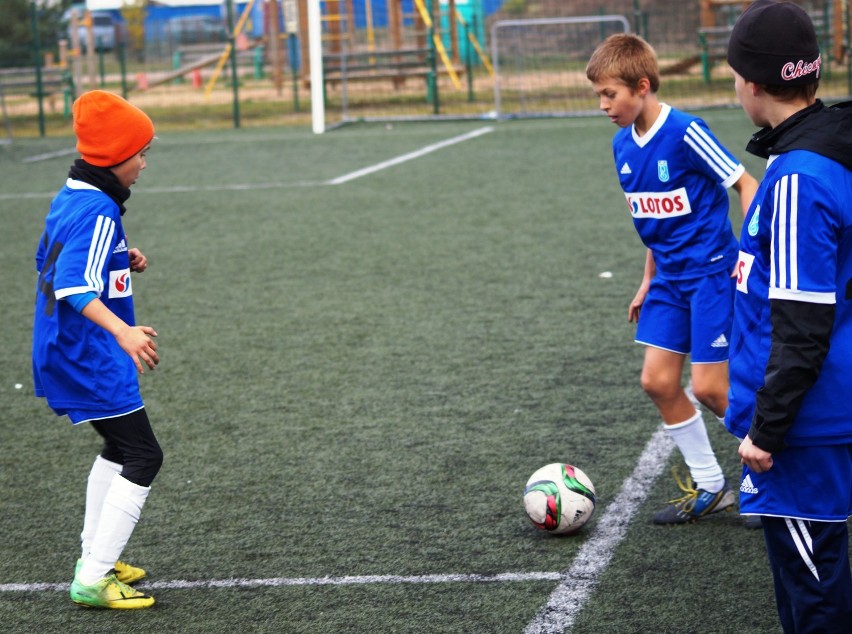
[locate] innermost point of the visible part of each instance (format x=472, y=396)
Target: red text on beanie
x=109, y=128
x=775, y=44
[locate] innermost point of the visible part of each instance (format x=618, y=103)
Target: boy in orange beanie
x=87, y=348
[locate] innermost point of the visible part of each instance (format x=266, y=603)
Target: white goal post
x=539, y=64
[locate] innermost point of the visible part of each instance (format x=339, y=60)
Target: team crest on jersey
x=119, y=284
x=663, y=171
x=752, y=224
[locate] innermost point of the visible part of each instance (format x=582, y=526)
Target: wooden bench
x=22, y=81
x=188, y=54
x=396, y=65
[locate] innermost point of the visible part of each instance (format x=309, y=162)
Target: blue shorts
x=689, y=316
x=808, y=483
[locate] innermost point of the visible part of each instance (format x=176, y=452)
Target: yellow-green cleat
x=128, y=574
x=110, y=593
x=125, y=573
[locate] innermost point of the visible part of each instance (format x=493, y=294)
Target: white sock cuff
x=102, y=463
x=127, y=496
x=691, y=421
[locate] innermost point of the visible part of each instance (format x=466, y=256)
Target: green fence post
x=468, y=63
x=258, y=62
x=293, y=55
x=177, y=60
x=122, y=69
x=705, y=58
x=235, y=80
x=433, y=64
x=37, y=60
x=67, y=94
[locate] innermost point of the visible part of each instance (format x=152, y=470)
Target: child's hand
x=754, y=457
x=636, y=305
x=138, y=262
x=136, y=341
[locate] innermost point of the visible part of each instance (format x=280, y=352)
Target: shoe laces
x=687, y=485
x=125, y=590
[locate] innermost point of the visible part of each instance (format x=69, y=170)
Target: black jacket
x=800, y=330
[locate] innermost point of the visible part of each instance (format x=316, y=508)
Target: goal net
x=540, y=64
x=402, y=60
x=433, y=60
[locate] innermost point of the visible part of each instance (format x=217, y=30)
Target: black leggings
x=130, y=442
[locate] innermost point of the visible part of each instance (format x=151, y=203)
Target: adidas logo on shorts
x=720, y=342
x=747, y=486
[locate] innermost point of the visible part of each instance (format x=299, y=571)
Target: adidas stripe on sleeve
x=721, y=163
x=100, y=248
x=801, y=273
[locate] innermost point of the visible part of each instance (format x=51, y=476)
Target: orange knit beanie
x=109, y=129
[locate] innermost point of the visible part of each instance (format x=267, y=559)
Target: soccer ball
x=559, y=498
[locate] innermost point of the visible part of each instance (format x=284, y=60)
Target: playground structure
x=414, y=44
x=429, y=46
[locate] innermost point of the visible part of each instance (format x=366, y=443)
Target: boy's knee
x=142, y=469
x=711, y=397
x=656, y=388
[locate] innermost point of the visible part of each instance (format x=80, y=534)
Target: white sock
x=122, y=507
x=691, y=438
x=100, y=478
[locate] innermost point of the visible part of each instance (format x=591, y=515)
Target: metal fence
x=424, y=61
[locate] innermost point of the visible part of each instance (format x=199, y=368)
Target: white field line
x=280, y=582
x=565, y=602
x=410, y=156
x=189, y=189
x=49, y=155
x=578, y=582
x=253, y=186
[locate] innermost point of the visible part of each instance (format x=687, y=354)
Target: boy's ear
x=643, y=86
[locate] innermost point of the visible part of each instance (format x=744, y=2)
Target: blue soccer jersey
x=796, y=245
x=675, y=178
x=77, y=365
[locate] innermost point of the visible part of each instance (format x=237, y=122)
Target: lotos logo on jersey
x=744, y=264
x=119, y=284
x=659, y=205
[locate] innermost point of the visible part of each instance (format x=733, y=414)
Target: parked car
x=196, y=29
x=106, y=30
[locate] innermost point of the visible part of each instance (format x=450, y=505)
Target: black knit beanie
x=774, y=43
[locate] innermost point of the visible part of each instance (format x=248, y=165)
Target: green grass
x=358, y=380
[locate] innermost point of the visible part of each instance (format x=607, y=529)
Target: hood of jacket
x=826, y=130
